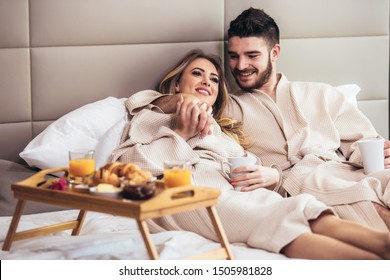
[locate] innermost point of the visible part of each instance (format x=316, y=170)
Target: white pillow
x=109, y=141
x=350, y=91
x=81, y=128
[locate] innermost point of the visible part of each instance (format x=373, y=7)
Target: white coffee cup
x=235, y=162
x=372, y=151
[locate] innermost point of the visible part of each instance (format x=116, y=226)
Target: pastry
x=135, y=182
x=103, y=176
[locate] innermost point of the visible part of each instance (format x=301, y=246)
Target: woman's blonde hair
x=168, y=85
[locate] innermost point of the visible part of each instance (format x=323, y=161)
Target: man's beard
x=263, y=79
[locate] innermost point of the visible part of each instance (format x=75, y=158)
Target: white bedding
x=109, y=237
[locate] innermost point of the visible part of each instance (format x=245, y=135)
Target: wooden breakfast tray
x=165, y=202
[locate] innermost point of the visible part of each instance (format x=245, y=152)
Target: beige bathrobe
x=310, y=132
x=261, y=218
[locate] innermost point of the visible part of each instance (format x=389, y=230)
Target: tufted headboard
x=56, y=55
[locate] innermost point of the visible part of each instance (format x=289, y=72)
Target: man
x=308, y=130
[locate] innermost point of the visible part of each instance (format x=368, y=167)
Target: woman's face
x=201, y=79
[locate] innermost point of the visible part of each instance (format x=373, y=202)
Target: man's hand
x=252, y=177
x=167, y=103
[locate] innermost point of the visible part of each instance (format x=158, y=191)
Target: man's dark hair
x=255, y=23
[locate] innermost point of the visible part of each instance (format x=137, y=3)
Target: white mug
x=372, y=151
x=235, y=162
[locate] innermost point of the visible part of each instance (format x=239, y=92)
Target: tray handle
x=39, y=177
x=184, y=191
x=181, y=195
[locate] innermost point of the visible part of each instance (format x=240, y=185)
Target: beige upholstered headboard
x=57, y=55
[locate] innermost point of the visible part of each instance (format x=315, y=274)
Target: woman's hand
x=387, y=154
x=251, y=177
x=192, y=118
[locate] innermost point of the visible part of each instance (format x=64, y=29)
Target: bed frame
x=56, y=55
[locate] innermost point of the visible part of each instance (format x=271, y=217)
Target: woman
x=299, y=227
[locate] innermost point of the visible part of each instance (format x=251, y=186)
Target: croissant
x=127, y=169
x=103, y=176
x=115, y=172
x=134, y=182
x=138, y=177
x=113, y=167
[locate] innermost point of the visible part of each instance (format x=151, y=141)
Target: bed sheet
x=107, y=237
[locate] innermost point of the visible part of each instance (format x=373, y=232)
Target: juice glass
x=81, y=164
x=177, y=173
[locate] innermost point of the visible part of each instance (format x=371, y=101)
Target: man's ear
x=275, y=52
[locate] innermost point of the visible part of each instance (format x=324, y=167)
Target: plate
x=81, y=188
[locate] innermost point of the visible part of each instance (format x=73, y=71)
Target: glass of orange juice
x=81, y=164
x=177, y=173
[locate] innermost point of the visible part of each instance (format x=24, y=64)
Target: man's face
x=249, y=61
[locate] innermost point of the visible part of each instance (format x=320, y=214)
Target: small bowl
x=141, y=192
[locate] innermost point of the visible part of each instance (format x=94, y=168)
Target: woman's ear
x=177, y=88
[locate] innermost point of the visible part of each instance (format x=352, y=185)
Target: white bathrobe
x=261, y=218
x=310, y=132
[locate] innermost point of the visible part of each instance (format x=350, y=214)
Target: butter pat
x=106, y=188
